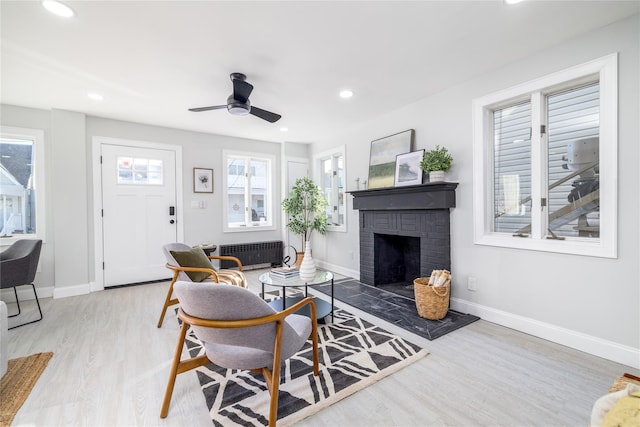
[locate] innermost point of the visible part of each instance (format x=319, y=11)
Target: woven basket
x=432, y=302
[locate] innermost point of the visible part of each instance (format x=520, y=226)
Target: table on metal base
x=323, y=308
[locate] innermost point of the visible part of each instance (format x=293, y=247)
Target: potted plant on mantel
x=436, y=162
x=306, y=206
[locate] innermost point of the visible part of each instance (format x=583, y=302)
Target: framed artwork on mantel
x=408, y=170
x=202, y=180
x=382, y=159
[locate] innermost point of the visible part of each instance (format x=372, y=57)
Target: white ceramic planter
x=436, y=176
x=308, y=265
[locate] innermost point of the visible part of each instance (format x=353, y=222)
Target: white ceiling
x=152, y=60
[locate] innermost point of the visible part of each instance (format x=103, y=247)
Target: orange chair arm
x=228, y=258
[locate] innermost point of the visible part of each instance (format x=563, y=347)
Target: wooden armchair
x=239, y=330
x=204, y=271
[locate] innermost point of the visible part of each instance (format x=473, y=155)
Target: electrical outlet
x=472, y=283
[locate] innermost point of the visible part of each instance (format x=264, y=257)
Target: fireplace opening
x=397, y=262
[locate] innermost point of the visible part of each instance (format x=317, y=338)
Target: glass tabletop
x=321, y=277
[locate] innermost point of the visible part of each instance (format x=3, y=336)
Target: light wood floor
x=111, y=363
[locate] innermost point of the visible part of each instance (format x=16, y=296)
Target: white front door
x=138, y=212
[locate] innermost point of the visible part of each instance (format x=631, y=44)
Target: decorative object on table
x=408, y=170
x=357, y=354
x=290, y=255
x=436, y=162
x=308, y=265
x=202, y=180
x=432, y=294
x=306, y=206
x=382, y=159
x=285, y=272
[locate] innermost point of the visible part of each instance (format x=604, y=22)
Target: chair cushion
x=193, y=258
x=238, y=357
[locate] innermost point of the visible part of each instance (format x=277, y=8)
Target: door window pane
x=139, y=171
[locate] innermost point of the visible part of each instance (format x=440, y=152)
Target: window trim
x=37, y=135
x=606, y=69
x=270, y=225
x=317, y=161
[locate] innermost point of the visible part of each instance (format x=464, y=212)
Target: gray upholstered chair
x=18, y=265
x=239, y=330
x=204, y=270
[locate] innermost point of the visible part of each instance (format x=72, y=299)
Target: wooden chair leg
x=174, y=371
x=274, y=383
x=178, y=366
x=168, y=301
x=314, y=338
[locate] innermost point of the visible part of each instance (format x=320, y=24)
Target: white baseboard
x=26, y=293
x=610, y=350
x=72, y=291
x=338, y=269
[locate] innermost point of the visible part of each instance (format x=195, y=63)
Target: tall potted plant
x=306, y=206
x=436, y=162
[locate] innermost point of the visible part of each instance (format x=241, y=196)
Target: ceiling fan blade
x=241, y=90
x=215, y=107
x=264, y=114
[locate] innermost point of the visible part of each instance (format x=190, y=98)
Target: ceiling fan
x=238, y=102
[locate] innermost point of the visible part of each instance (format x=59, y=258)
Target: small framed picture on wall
x=202, y=180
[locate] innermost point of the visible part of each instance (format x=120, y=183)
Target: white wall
x=67, y=258
x=588, y=303
x=38, y=119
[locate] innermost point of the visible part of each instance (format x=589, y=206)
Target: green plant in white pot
x=306, y=206
x=436, y=162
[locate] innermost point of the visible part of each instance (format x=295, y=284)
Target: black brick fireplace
x=404, y=232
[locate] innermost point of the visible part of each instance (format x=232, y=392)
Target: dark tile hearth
x=394, y=308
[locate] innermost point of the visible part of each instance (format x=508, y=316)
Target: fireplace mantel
x=436, y=195
x=404, y=231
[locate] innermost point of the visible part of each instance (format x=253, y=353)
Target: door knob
x=172, y=222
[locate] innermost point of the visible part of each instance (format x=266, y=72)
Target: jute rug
x=353, y=355
x=22, y=374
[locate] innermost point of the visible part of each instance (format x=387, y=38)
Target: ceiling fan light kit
x=238, y=102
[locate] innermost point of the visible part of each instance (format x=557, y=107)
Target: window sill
x=569, y=246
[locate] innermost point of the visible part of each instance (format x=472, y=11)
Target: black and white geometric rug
x=352, y=353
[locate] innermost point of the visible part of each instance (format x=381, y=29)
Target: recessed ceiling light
x=284, y=129
x=512, y=1
x=346, y=94
x=58, y=8
x=95, y=96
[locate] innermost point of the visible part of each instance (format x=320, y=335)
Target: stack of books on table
x=285, y=272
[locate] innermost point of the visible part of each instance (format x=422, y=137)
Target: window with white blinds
x=546, y=163
x=247, y=187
